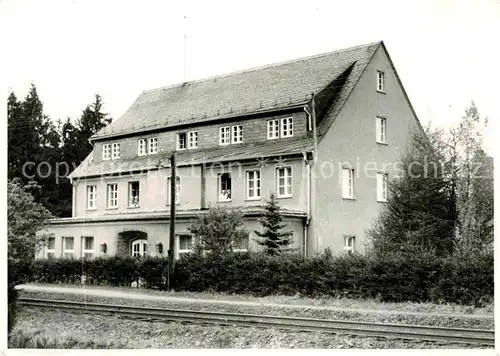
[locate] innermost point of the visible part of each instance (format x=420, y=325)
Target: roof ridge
x=271, y=65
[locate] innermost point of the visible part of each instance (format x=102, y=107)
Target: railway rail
x=430, y=333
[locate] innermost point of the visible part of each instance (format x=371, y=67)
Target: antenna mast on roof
x=185, y=30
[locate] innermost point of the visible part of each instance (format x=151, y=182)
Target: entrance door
x=139, y=248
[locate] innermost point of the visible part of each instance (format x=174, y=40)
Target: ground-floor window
x=139, y=248
x=88, y=247
x=50, y=251
x=241, y=245
x=184, y=244
x=68, y=246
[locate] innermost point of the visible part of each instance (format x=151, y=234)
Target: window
x=88, y=247
x=116, y=151
x=253, y=184
x=139, y=248
x=224, y=135
x=141, y=150
x=133, y=194
x=347, y=183
x=380, y=81
x=237, y=134
x=273, y=127
x=284, y=182
x=91, y=196
x=193, y=139
x=349, y=244
x=185, y=244
x=153, y=145
x=242, y=244
x=177, y=189
x=382, y=179
x=381, y=130
x=50, y=251
x=68, y=246
x=224, y=186
x=287, y=127
x=112, y=195
x=181, y=141
x=106, y=151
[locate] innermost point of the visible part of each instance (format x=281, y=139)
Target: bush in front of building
x=398, y=277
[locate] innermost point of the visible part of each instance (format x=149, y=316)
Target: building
x=307, y=129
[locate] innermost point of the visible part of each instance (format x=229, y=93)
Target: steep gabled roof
x=272, y=86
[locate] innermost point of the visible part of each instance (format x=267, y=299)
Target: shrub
x=418, y=276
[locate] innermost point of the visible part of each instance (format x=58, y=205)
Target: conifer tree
x=273, y=239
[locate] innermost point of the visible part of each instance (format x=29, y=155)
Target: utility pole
x=171, y=246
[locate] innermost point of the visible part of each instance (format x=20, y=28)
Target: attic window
x=380, y=81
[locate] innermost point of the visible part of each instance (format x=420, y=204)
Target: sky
x=445, y=51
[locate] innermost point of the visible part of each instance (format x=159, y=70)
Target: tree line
x=444, y=201
x=44, y=150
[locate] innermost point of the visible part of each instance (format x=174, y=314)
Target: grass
x=392, y=318
x=56, y=329
x=298, y=300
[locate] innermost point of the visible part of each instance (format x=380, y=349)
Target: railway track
x=430, y=333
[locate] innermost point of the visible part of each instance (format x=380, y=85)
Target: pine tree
x=420, y=211
x=273, y=240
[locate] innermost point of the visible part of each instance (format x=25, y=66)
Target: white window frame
x=380, y=81
x=68, y=250
x=180, y=251
x=143, y=248
x=382, y=186
x=142, y=147
x=106, y=152
x=219, y=186
x=286, y=127
x=192, y=139
x=256, y=184
x=349, y=243
x=381, y=128
x=86, y=251
x=179, y=140
x=347, y=183
x=115, y=150
x=224, y=135
x=286, y=176
x=237, y=136
x=177, y=189
x=131, y=202
x=153, y=145
x=273, y=129
x=109, y=199
x=91, y=197
x=49, y=250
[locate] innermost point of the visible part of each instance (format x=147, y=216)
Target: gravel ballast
x=378, y=317
x=127, y=333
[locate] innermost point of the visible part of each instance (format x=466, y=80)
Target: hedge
x=420, y=277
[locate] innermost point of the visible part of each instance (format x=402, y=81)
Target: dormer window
x=193, y=139
x=224, y=135
x=187, y=140
x=141, y=151
x=115, y=153
x=380, y=81
x=287, y=127
x=273, y=127
x=181, y=141
x=153, y=145
x=106, y=152
x=237, y=134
